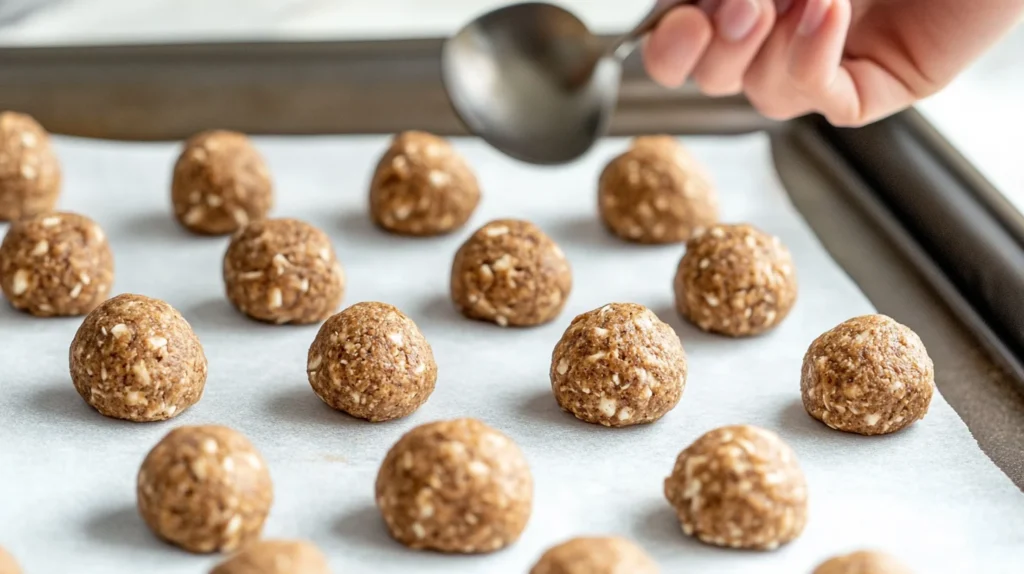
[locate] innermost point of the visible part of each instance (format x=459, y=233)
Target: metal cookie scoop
x=534, y=82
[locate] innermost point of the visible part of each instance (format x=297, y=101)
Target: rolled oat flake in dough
x=511, y=273
x=30, y=175
x=204, y=489
x=596, y=555
x=220, y=184
x=136, y=358
x=862, y=562
x=372, y=362
x=869, y=375
x=283, y=271
x=740, y=487
x=276, y=557
x=56, y=264
x=456, y=486
x=617, y=366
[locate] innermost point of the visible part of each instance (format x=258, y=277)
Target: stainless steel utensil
x=534, y=82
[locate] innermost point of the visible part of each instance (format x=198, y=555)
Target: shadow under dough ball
x=869, y=375
x=220, y=183
x=204, y=489
x=275, y=557
x=456, y=486
x=862, y=562
x=656, y=192
x=740, y=487
x=511, y=273
x=422, y=186
x=618, y=366
x=283, y=271
x=30, y=175
x=56, y=264
x=372, y=362
x=735, y=280
x=595, y=555
x=8, y=565
x=137, y=359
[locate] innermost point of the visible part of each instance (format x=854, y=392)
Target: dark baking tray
x=922, y=233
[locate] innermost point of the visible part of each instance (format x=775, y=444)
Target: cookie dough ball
x=455, y=486
x=422, y=186
x=741, y=487
x=276, y=557
x=618, y=366
x=862, y=562
x=204, y=489
x=510, y=273
x=7, y=563
x=735, y=280
x=599, y=555
x=283, y=271
x=220, y=183
x=56, y=264
x=137, y=359
x=870, y=375
x=656, y=192
x=372, y=362
x=30, y=175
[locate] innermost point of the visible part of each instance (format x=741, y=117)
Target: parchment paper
x=67, y=474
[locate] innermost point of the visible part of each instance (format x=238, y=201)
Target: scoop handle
x=625, y=44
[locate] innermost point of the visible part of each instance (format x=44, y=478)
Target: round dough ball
x=30, y=174
x=735, y=280
x=283, y=271
x=422, y=186
x=598, y=555
x=741, y=487
x=137, y=359
x=276, y=557
x=204, y=489
x=56, y=264
x=7, y=563
x=618, y=366
x=869, y=375
x=372, y=362
x=455, y=486
x=220, y=184
x=656, y=192
x=862, y=562
x=511, y=273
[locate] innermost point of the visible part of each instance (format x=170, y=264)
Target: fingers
x=741, y=27
x=676, y=45
x=766, y=82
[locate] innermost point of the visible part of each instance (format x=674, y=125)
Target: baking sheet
x=67, y=475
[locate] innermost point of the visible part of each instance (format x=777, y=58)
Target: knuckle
x=717, y=86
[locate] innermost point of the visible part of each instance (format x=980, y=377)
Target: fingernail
x=783, y=6
x=736, y=19
x=814, y=16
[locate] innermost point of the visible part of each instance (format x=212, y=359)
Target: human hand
x=853, y=61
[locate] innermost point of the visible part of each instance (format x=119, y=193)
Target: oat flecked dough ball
x=137, y=359
x=456, y=486
x=870, y=375
x=204, y=489
x=372, y=362
x=595, y=555
x=30, y=175
x=7, y=563
x=618, y=366
x=56, y=264
x=656, y=192
x=276, y=557
x=220, y=183
x=862, y=562
x=422, y=186
x=511, y=273
x=735, y=280
x=283, y=271
x=741, y=487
